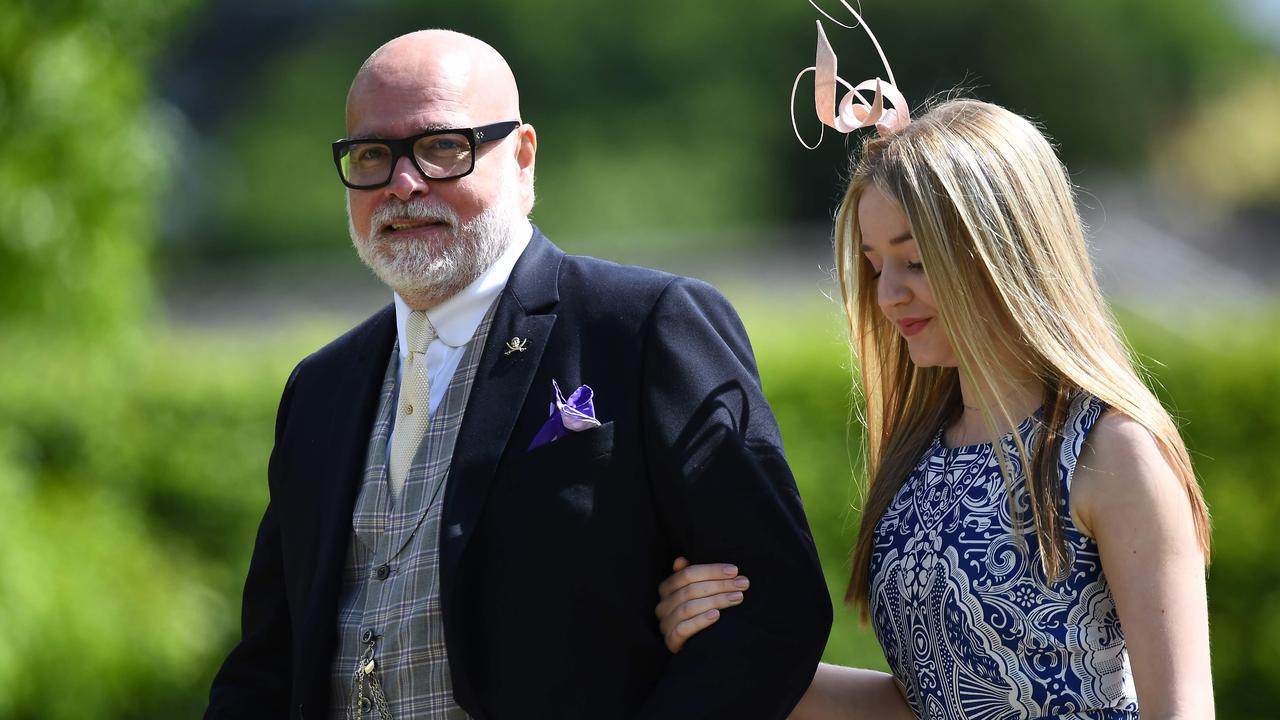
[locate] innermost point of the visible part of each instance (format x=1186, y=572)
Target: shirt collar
x=456, y=319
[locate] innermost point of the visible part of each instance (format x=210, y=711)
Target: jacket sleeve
x=255, y=679
x=727, y=495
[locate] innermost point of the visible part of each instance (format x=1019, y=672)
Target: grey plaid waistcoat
x=391, y=581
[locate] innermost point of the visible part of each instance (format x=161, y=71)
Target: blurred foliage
x=1227, y=150
x=128, y=515
x=670, y=118
x=128, y=488
x=83, y=158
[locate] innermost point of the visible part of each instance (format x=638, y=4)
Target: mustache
x=415, y=209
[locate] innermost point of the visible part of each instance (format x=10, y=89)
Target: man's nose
x=406, y=181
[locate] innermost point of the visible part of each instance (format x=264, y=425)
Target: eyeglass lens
x=439, y=156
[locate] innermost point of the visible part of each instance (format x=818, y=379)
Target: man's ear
x=527, y=150
x=526, y=153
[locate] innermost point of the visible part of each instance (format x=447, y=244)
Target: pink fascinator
x=854, y=110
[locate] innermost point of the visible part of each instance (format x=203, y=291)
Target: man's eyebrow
x=893, y=241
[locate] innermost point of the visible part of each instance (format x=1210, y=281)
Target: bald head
x=446, y=71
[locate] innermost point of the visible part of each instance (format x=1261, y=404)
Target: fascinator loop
x=854, y=110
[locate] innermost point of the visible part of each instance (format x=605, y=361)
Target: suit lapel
x=522, y=319
x=358, y=389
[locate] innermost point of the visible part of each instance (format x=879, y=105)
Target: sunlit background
x=172, y=241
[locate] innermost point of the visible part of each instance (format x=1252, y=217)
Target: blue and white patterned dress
x=959, y=603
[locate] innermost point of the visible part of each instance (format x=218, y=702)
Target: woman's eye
x=915, y=266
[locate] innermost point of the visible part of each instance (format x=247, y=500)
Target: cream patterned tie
x=412, y=412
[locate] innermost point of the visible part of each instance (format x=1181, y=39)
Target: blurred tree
x=1225, y=149
x=1100, y=75
x=83, y=157
x=668, y=119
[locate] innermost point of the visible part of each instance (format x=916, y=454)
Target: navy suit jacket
x=550, y=558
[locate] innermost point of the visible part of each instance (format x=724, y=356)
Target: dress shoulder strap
x=1083, y=414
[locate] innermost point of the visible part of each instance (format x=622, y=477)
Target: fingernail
x=741, y=582
x=713, y=614
x=731, y=570
x=735, y=597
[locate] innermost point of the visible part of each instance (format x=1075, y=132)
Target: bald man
x=453, y=531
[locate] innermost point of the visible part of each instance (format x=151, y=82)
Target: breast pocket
x=564, y=476
x=587, y=446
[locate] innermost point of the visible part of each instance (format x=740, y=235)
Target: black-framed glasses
x=438, y=154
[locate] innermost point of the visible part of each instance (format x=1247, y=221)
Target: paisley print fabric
x=960, y=604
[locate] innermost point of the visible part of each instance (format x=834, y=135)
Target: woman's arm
x=691, y=600
x=1127, y=497
x=844, y=693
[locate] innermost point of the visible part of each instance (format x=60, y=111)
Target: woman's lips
x=912, y=326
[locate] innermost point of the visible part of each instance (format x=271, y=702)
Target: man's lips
x=912, y=325
x=408, y=226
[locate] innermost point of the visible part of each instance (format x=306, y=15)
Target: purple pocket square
x=574, y=414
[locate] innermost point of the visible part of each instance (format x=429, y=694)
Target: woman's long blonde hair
x=992, y=213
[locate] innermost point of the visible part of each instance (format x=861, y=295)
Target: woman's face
x=902, y=290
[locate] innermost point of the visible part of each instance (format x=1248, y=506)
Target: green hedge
x=130, y=482
x=132, y=479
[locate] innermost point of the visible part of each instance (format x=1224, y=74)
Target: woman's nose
x=890, y=290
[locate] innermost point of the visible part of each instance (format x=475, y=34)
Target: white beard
x=441, y=270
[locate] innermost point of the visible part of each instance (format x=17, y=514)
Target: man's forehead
x=409, y=69
x=411, y=94
x=378, y=106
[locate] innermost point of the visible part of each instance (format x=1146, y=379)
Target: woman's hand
x=691, y=599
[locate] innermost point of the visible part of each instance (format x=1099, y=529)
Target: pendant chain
x=366, y=691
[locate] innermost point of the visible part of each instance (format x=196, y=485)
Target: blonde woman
x=1033, y=541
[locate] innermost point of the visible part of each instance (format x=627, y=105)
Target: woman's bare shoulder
x=1121, y=469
